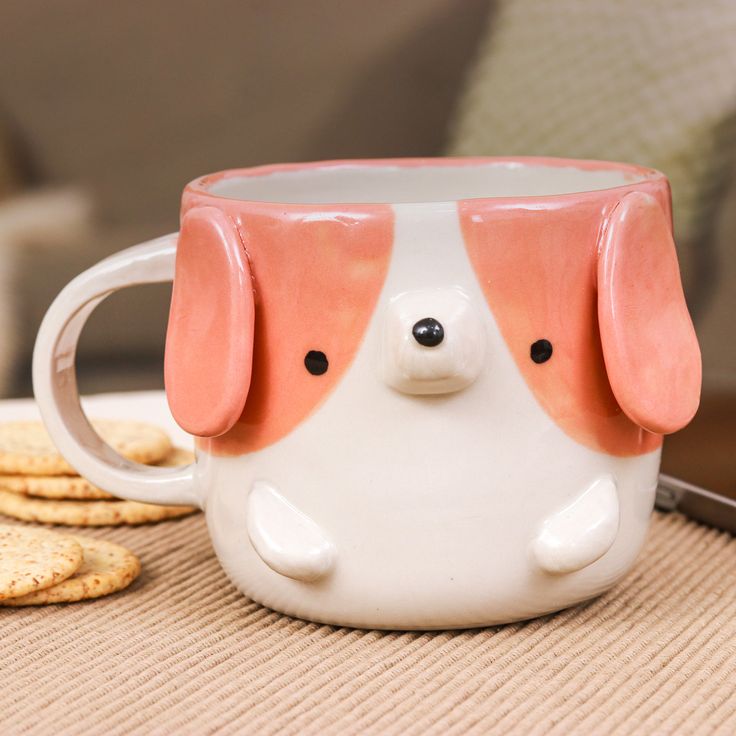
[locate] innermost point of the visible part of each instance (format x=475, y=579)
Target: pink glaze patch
x=209, y=342
x=536, y=261
x=317, y=275
x=649, y=343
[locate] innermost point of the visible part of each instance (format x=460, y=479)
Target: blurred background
x=108, y=109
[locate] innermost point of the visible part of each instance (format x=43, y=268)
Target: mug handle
x=55, y=380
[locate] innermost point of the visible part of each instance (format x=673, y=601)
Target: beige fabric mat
x=183, y=652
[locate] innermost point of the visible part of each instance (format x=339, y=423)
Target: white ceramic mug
x=427, y=393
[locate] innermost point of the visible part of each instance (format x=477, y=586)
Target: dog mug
x=426, y=393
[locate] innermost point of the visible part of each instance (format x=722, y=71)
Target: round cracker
x=176, y=457
x=74, y=487
x=27, y=449
x=52, y=486
x=32, y=559
x=86, y=513
x=106, y=568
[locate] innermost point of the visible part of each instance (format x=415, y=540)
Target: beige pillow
x=649, y=82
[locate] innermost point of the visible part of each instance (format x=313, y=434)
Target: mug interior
x=419, y=180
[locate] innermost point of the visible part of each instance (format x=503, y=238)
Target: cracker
x=86, y=513
x=74, y=487
x=32, y=559
x=27, y=449
x=106, y=568
x=52, y=486
x=176, y=457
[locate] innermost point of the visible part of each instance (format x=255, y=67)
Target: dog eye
x=541, y=351
x=428, y=332
x=316, y=362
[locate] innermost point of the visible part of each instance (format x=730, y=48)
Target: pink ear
x=209, y=343
x=649, y=344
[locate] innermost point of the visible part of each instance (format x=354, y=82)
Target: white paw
x=582, y=532
x=287, y=540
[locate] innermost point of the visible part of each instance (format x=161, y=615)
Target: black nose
x=428, y=332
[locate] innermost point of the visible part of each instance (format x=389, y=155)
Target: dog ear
x=209, y=343
x=649, y=345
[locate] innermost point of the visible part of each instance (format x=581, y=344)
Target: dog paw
x=580, y=533
x=286, y=539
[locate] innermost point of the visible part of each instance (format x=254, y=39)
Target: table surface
x=182, y=651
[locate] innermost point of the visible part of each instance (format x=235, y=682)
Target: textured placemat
x=183, y=652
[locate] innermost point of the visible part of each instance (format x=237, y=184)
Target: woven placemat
x=183, y=652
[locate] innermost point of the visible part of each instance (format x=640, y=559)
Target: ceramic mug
x=426, y=393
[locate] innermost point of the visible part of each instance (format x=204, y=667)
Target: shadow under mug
x=427, y=393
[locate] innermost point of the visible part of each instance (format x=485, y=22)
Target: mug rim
x=635, y=174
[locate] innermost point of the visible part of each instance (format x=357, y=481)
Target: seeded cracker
x=106, y=568
x=53, y=486
x=26, y=448
x=86, y=513
x=33, y=559
x=74, y=487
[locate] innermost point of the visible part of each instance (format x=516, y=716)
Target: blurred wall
x=134, y=99
x=131, y=100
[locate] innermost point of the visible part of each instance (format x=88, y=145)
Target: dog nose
x=428, y=332
x=433, y=354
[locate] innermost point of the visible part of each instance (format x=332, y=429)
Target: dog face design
x=430, y=415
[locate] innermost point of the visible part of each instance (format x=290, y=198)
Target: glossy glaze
x=287, y=540
x=209, y=343
x=580, y=533
x=537, y=262
x=461, y=482
x=316, y=275
x=649, y=343
x=452, y=364
x=432, y=501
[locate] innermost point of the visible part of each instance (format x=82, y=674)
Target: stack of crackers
x=37, y=484
x=38, y=566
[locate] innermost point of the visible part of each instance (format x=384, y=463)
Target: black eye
x=541, y=351
x=316, y=362
x=428, y=332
